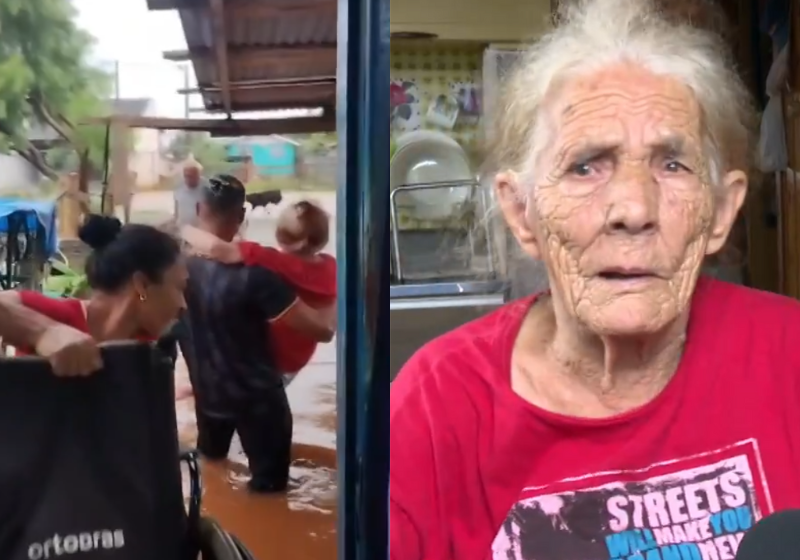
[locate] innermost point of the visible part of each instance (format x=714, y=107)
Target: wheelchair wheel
x=246, y=554
x=217, y=544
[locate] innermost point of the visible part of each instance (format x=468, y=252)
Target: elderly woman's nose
x=633, y=203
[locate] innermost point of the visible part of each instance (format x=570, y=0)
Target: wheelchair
x=84, y=459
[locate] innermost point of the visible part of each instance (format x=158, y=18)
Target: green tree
x=45, y=78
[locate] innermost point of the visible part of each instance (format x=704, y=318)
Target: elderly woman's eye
x=675, y=167
x=580, y=169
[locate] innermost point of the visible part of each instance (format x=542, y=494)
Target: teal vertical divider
x=362, y=251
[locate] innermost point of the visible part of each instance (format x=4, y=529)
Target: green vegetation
x=45, y=78
x=64, y=281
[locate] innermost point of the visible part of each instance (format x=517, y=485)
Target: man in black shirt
x=222, y=336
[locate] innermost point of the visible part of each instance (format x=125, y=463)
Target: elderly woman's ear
x=514, y=205
x=734, y=185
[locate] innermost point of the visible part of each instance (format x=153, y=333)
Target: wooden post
x=250, y=172
x=119, y=188
x=69, y=207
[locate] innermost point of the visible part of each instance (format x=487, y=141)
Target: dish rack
x=460, y=247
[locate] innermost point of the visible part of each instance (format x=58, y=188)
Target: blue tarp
x=40, y=214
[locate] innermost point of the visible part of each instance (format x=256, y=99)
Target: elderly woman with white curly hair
x=636, y=409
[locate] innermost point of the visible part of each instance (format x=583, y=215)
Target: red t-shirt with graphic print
x=477, y=473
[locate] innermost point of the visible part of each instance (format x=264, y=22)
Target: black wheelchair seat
x=90, y=465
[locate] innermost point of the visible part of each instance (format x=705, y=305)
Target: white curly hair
x=592, y=34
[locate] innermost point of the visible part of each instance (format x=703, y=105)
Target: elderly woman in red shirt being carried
x=636, y=409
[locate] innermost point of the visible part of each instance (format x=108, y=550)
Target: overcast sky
x=127, y=33
x=137, y=38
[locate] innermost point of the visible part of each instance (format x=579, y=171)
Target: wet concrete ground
x=300, y=525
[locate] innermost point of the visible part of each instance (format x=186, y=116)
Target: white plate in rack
x=426, y=156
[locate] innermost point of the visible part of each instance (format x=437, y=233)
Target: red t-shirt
x=314, y=282
x=477, y=473
x=68, y=311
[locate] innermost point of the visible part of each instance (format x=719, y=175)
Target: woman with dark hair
x=137, y=276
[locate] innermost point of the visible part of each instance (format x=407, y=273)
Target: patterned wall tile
x=427, y=72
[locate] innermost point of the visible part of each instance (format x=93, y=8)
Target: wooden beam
x=286, y=126
x=249, y=8
x=250, y=107
x=217, y=13
x=271, y=98
x=287, y=88
x=258, y=54
x=227, y=127
x=160, y=5
x=260, y=107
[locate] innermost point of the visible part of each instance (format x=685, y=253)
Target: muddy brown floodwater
x=300, y=525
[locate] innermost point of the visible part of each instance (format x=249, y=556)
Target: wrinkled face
x=621, y=207
x=160, y=303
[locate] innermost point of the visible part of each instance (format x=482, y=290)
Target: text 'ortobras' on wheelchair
x=88, y=466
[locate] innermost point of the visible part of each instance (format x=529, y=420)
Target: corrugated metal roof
x=292, y=29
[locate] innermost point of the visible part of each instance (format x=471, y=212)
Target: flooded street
x=299, y=525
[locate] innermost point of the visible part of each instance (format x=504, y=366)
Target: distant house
x=273, y=155
x=16, y=174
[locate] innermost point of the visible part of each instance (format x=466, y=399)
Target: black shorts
x=265, y=430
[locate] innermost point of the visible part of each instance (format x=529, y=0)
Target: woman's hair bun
x=99, y=231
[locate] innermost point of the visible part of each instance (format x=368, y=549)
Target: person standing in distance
x=188, y=193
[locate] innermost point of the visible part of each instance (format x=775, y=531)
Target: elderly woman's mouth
x=628, y=275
